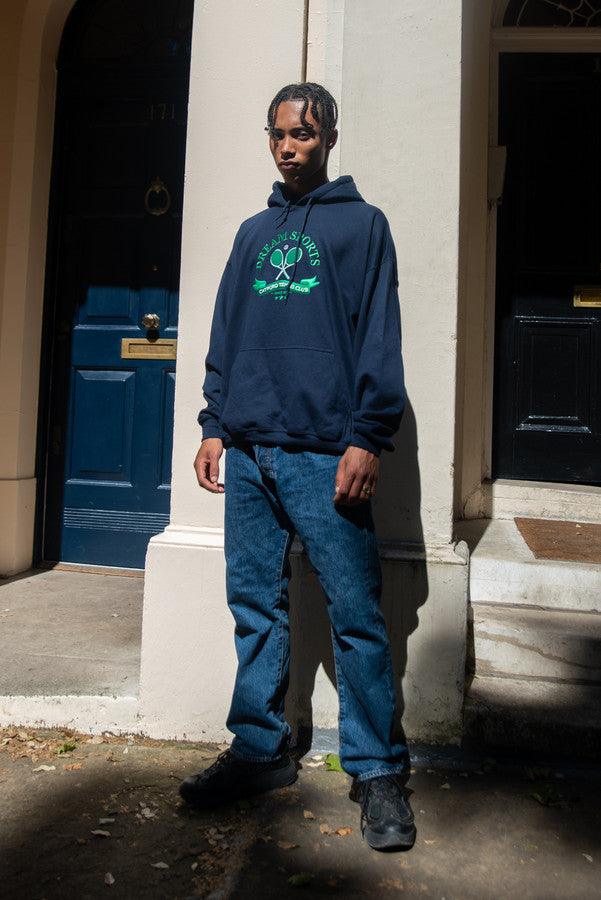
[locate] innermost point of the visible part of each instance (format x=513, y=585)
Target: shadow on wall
x=405, y=589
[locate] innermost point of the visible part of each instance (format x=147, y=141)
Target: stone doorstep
x=547, y=719
x=534, y=643
x=504, y=570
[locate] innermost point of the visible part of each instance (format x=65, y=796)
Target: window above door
x=553, y=13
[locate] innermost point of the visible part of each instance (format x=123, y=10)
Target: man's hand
x=357, y=472
x=206, y=465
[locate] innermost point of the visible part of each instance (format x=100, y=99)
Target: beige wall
x=401, y=101
x=30, y=34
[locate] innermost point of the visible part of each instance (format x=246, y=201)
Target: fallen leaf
x=343, y=831
x=333, y=763
x=81, y=841
x=72, y=767
x=445, y=787
x=308, y=814
x=44, y=769
x=106, y=821
x=108, y=878
x=588, y=856
x=22, y=735
x=287, y=845
x=194, y=866
x=99, y=832
x=147, y=813
x=159, y=865
x=429, y=842
x=325, y=829
x=301, y=879
x=67, y=747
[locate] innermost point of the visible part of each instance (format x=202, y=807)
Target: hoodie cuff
x=359, y=440
x=211, y=429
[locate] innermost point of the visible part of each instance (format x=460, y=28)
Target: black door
x=547, y=422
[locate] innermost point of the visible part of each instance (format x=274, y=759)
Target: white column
x=241, y=55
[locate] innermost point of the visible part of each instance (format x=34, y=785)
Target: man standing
x=304, y=389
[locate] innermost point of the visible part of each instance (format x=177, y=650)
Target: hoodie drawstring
x=284, y=214
x=300, y=234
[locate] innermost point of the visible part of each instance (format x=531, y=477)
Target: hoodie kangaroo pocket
x=293, y=390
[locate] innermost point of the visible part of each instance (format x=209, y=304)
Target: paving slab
x=105, y=820
x=70, y=632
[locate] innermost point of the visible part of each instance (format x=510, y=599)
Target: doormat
x=556, y=539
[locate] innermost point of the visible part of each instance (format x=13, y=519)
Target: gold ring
x=366, y=490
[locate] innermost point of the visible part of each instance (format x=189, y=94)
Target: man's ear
x=332, y=138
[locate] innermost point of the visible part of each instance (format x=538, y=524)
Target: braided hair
x=323, y=106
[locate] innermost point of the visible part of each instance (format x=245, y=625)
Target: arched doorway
x=110, y=324
x=547, y=405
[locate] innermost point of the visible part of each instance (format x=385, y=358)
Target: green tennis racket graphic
x=283, y=263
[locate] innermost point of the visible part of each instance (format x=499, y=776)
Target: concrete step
x=504, y=570
x=544, y=719
x=534, y=643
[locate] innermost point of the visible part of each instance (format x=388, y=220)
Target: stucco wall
x=30, y=35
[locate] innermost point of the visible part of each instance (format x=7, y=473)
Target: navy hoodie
x=305, y=347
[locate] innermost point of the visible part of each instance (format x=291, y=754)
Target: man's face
x=299, y=151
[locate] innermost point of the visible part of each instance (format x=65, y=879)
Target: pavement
x=64, y=631
x=87, y=817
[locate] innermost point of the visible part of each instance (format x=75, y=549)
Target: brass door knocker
x=157, y=187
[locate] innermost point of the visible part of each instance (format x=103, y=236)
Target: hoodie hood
x=341, y=190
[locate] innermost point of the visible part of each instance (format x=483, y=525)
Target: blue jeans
x=271, y=493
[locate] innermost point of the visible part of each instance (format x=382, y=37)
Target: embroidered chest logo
x=285, y=260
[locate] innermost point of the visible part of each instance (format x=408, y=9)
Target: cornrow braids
x=323, y=106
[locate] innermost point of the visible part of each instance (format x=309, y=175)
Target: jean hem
x=377, y=773
x=257, y=759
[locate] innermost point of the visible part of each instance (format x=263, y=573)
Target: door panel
x=547, y=423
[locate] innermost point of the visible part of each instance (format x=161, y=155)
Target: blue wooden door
x=119, y=188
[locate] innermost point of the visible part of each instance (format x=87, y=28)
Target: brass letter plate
x=141, y=348
x=585, y=295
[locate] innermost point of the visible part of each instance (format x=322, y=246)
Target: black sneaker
x=230, y=778
x=387, y=821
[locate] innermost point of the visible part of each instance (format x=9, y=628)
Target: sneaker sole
x=390, y=841
x=261, y=784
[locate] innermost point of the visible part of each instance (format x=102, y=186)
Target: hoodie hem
x=305, y=441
